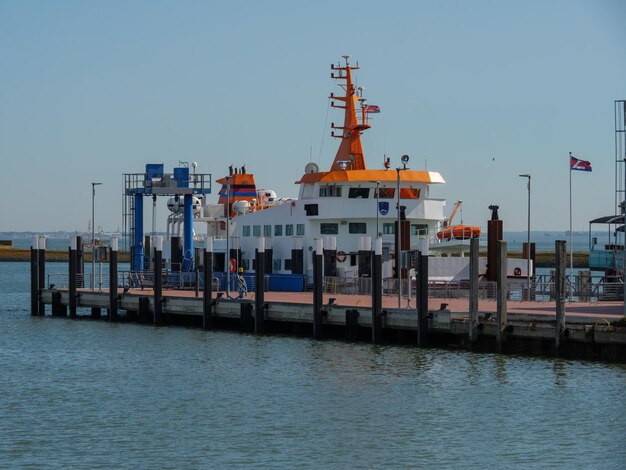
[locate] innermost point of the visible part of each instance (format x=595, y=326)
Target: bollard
x=158, y=286
x=352, y=324
x=318, y=288
x=259, y=301
x=377, y=291
x=73, y=262
x=473, y=289
x=207, y=295
x=34, y=277
x=422, y=303
x=559, y=286
x=501, y=292
x=112, y=311
x=41, y=269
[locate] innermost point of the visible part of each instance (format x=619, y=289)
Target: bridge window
x=278, y=230
x=357, y=227
x=289, y=230
x=330, y=190
x=386, y=193
x=246, y=230
x=329, y=229
x=256, y=230
x=362, y=193
x=300, y=230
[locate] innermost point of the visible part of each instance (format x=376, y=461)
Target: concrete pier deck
x=589, y=333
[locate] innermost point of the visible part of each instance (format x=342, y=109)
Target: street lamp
x=527, y=175
x=93, y=233
x=404, y=159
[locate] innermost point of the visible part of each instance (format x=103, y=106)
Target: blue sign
x=383, y=207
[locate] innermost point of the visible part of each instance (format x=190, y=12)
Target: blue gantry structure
x=155, y=183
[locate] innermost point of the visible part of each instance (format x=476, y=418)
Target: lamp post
x=93, y=233
x=527, y=175
x=404, y=159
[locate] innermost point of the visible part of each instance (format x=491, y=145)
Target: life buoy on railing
x=341, y=256
x=517, y=272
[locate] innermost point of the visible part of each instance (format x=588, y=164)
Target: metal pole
x=93, y=234
x=527, y=175
x=571, y=245
x=398, y=244
x=377, y=208
x=227, y=256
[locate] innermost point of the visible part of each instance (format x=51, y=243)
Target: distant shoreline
x=544, y=259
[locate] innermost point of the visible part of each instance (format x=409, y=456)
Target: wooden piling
x=330, y=257
x=73, y=264
x=112, y=310
x=80, y=263
x=144, y=309
x=57, y=308
x=34, y=277
x=422, y=306
x=377, y=291
x=352, y=324
x=207, y=295
x=259, y=301
x=41, y=270
x=158, y=280
x=473, y=289
x=501, y=293
x=559, y=285
x=318, y=288
x=246, y=323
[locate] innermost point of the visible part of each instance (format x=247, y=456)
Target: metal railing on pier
x=581, y=287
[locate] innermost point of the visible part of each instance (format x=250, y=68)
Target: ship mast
x=350, y=153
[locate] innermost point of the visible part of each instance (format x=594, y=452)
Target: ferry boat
x=348, y=205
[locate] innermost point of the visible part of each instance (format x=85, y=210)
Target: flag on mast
x=580, y=165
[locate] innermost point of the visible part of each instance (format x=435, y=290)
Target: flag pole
x=571, y=251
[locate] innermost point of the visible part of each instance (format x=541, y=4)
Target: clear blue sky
x=480, y=91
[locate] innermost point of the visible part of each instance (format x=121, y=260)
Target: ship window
x=277, y=265
x=388, y=229
x=289, y=230
x=386, y=193
x=256, y=230
x=362, y=193
x=246, y=230
x=329, y=229
x=300, y=230
x=357, y=227
x=278, y=230
x=330, y=190
x=311, y=209
x=245, y=264
x=267, y=230
x=419, y=229
x=410, y=193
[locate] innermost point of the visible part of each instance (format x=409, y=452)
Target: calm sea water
x=90, y=394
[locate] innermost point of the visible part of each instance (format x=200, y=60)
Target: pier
x=583, y=330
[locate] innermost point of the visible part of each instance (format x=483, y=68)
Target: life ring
x=517, y=272
x=232, y=265
x=341, y=256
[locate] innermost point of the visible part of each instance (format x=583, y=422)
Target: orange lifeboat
x=459, y=232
